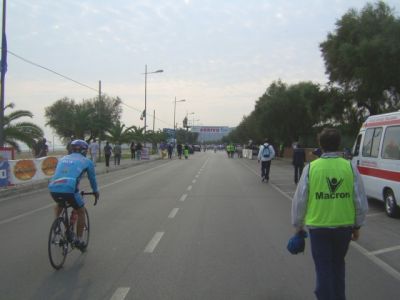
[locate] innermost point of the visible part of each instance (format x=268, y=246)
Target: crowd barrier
x=30, y=170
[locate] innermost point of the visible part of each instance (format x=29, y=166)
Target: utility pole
x=100, y=129
x=3, y=74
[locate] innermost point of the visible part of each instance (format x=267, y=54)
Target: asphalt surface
x=202, y=228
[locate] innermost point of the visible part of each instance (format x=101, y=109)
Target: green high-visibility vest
x=331, y=194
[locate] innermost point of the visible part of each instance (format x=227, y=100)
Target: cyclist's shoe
x=81, y=245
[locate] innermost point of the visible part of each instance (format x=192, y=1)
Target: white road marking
x=26, y=214
x=189, y=187
x=375, y=214
x=377, y=261
x=389, y=249
x=120, y=293
x=153, y=243
x=183, y=198
x=132, y=176
x=173, y=213
x=197, y=176
x=194, y=181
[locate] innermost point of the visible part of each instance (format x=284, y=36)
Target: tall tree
x=362, y=56
x=86, y=120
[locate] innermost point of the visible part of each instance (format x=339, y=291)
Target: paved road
x=203, y=228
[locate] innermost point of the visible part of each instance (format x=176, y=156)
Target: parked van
x=376, y=153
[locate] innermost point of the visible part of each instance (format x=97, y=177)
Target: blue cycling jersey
x=69, y=171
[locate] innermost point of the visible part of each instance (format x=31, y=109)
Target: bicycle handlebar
x=83, y=193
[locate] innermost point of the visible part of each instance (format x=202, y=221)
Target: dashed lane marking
x=151, y=246
x=173, y=213
x=120, y=293
x=183, y=198
x=189, y=187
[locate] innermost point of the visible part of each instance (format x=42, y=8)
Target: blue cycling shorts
x=73, y=199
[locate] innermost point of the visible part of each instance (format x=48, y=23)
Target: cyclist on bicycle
x=64, y=186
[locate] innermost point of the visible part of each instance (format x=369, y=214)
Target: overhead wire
x=73, y=80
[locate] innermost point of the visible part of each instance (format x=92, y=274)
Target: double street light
x=183, y=100
x=145, y=94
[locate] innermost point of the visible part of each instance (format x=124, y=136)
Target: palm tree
x=24, y=132
x=119, y=133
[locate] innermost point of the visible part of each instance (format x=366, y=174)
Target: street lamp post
x=145, y=94
x=183, y=100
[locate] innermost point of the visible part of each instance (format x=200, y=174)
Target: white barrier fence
x=30, y=170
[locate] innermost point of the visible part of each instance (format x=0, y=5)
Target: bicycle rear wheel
x=86, y=229
x=58, y=243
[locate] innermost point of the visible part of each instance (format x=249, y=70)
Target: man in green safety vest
x=330, y=201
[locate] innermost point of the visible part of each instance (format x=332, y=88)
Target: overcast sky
x=219, y=55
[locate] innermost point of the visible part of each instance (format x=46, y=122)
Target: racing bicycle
x=63, y=232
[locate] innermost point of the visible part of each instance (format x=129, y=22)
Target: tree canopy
x=87, y=120
x=362, y=56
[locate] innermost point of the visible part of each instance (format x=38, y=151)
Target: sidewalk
x=100, y=169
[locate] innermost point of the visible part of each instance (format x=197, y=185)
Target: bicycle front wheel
x=86, y=229
x=58, y=243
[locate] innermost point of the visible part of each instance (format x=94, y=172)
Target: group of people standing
x=109, y=150
x=136, y=150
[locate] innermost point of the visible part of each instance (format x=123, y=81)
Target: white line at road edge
x=173, y=213
x=183, y=198
x=52, y=204
x=153, y=243
x=120, y=293
x=381, y=251
x=377, y=261
x=26, y=214
x=370, y=255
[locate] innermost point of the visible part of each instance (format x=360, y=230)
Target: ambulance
x=376, y=153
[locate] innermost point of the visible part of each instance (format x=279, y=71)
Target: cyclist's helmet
x=79, y=146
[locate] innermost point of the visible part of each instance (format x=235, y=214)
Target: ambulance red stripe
x=384, y=174
x=381, y=123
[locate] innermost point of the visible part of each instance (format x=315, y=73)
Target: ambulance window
x=372, y=139
x=356, y=150
x=391, y=143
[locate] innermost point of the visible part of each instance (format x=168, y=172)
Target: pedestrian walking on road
x=107, y=154
x=93, y=149
x=330, y=200
x=139, y=151
x=133, y=150
x=117, y=151
x=170, y=148
x=265, y=154
x=299, y=158
x=179, y=149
